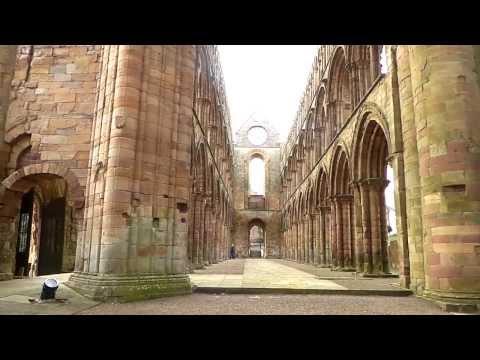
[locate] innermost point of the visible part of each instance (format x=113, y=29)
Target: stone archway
x=256, y=238
x=27, y=194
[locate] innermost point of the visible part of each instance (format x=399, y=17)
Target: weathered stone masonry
x=112, y=129
x=420, y=117
x=257, y=210
x=128, y=152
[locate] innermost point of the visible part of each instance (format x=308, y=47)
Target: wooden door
x=52, y=237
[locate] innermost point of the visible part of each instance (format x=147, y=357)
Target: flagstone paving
x=282, y=276
x=15, y=295
x=256, y=275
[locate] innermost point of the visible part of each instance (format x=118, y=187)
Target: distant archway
x=256, y=239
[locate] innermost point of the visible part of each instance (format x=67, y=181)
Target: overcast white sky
x=266, y=81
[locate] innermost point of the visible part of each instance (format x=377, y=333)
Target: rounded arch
x=200, y=168
x=371, y=144
x=339, y=90
x=75, y=194
x=340, y=173
x=322, y=187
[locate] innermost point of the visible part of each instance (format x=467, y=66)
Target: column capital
x=374, y=183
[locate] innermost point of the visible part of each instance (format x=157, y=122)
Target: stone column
x=328, y=232
x=374, y=224
x=377, y=222
x=345, y=202
x=357, y=221
x=340, y=241
x=333, y=234
x=214, y=237
x=207, y=256
x=138, y=191
x=296, y=240
x=311, y=247
x=306, y=238
x=301, y=224
x=446, y=98
x=322, y=236
x=317, y=250
x=7, y=67
x=413, y=194
x=366, y=227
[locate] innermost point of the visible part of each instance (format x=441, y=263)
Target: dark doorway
x=52, y=237
x=256, y=239
x=24, y=233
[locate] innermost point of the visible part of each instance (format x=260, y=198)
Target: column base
x=6, y=276
x=344, y=269
x=467, y=302
x=131, y=287
x=380, y=275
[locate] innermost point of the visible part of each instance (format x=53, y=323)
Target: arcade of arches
x=117, y=163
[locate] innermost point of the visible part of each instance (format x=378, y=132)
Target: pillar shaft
x=446, y=101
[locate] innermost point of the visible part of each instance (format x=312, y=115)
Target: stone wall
x=424, y=106
x=47, y=129
x=269, y=151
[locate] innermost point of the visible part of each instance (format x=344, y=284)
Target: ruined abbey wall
x=251, y=210
x=136, y=140
x=419, y=118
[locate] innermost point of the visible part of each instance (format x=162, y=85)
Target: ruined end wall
x=269, y=214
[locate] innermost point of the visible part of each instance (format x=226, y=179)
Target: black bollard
x=49, y=288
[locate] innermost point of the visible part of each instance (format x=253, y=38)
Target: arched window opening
x=383, y=60
x=257, y=176
x=257, y=240
x=390, y=203
x=257, y=135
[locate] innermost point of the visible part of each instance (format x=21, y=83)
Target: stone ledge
x=247, y=290
x=125, y=288
x=380, y=275
x=461, y=302
x=458, y=308
x=6, y=276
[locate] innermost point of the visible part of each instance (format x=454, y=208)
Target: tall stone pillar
x=345, y=203
x=312, y=237
x=339, y=243
x=413, y=189
x=7, y=67
x=327, y=236
x=378, y=224
x=306, y=239
x=366, y=227
x=296, y=241
x=197, y=229
x=357, y=221
x=446, y=100
x=317, y=249
x=333, y=233
x=138, y=190
x=322, y=236
x=207, y=257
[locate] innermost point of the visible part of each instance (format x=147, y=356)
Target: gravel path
x=205, y=304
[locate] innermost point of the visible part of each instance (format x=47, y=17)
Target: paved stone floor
x=254, y=274
x=14, y=295
x=289, y=276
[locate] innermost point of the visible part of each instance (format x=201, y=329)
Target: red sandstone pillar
x=135, y=241
x=446, y=92
x=339, y=248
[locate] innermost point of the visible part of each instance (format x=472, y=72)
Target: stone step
x=267, y=290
